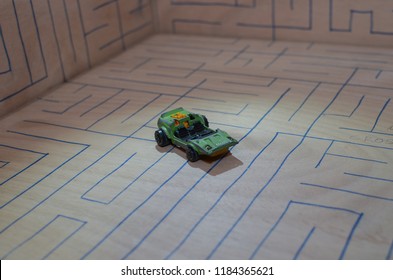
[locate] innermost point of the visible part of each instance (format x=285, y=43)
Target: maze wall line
x=44, y=43
x=309, y=179
x=351, y=22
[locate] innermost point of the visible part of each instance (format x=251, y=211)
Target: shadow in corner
x=217, y=165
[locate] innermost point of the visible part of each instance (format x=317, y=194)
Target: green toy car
x=191, y=132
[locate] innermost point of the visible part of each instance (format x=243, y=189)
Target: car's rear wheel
x=161, y=138
x=192, y=155
x=205, y=121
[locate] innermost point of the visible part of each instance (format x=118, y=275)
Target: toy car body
x=191, y=132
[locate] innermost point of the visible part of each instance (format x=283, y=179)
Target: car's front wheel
x=161, y=138
x=192, y=155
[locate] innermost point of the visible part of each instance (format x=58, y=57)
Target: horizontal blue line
x=348, y=191
x=48, y=138
x=366, y=159
x=339, y=141
x=21, y=149
x=197, y=21
x=369, y=177
x=221, y=112
x=208, y=4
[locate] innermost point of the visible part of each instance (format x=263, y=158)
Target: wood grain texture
x=46, y=42
x=358, y=22
x=81, y=176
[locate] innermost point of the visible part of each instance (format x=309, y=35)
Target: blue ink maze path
x=81, y=176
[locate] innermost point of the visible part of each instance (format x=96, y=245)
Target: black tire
x=161, y=138
x=192, y=155
x=205, y=121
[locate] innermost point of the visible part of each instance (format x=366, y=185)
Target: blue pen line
x=338, y=141
x=363, y=130
x=347, y=191
x=102, y=102
x=39, y=231
x=177, y=247
x=368, y=177
x=271, y=230
x=154, y=117
x=324, y=154
x=107, y=115
x=43, y=178
x=199, y=180
x=353, y=111
x=279, y=168
x=83, y=223
x=106, y=176
x=380, y=113
x=305, y=100
x=296, y=256
x=68, y=108
x=134, y=210
x=357, y=158
x=344, y=250
x=140, y=109
x=222, y=112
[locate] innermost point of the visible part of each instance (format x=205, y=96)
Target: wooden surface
x=359, y=22
x=81, y=176
x=46, y=42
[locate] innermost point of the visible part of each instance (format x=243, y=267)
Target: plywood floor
x=81, y=176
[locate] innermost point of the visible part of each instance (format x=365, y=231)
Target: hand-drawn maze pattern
x=82, y=178
x=43, y=43
x=356, y=22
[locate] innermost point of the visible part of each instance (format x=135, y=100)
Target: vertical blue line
x=279, y=168
x=39, y=38
x=273, y=21
x=350, y=236
x=350, y=21
x=107, y=175
x=69, y=30
x=310, y=14
x=304, y=243
x=371, y=22
x=6, y=51
x=120, y=25
x=84, y=34
x=379, y=115
x=177, y=247
x=64, y=240
x=378, y=73
x=330, y=15
x=360, y=102
x=305, y=100
x=324, y=154
x=270, y=231
x=200, y=179
x=108, y=114
x=22, y=41
x=263, y=117
x=57, y=41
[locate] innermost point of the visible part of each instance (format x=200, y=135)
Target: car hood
x=215, y=142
